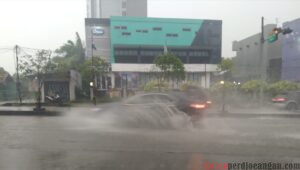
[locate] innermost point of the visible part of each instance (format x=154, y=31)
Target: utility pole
x=262, y=62
x=223, y=94
x=49, y=59
x=205, y=72
x=18, y=76
x=93, y=68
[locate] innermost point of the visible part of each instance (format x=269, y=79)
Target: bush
x=184, y=86
x=253, y=86
x=281, y=87
x=217, y=87
x=154, y=86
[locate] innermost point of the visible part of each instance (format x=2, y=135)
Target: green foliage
x=8, y=91
x=185, y=85
x=226, y=64
x=253, y=86
x=218, y=87
x=90, y=67
x=154, y=86
x=35, y=65
x=2, y=71
x=170, y=66
x=69, y=56
x=95, y=65
x=281, y=87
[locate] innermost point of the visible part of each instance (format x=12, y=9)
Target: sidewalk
x=51, y=110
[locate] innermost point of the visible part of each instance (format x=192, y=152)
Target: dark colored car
x=287, y=101
x=192, y=102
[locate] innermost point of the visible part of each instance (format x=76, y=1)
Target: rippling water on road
x=95, y=138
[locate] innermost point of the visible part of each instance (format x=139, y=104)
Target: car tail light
x=198, y=106
x=281, y=99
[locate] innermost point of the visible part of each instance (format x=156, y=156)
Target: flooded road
x=91, y=139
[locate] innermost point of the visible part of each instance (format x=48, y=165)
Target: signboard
x=98, y=31
x=272, y=38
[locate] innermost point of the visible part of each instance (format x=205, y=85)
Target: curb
x=29, y=113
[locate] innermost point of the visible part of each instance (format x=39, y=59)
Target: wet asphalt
x=97, y=139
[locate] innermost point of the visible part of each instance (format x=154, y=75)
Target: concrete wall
x=69, y=84
x=102, y=42
x=291, y=52
x=75, y=82
x=248, y=62
x=108, y=8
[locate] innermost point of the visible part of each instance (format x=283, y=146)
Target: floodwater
x=114, y=138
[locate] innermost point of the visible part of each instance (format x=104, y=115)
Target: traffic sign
x=272, y=38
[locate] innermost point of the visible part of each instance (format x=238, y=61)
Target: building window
x=180, y=53
x=198, y=53
x=147, y=59
x=150, y=53
x=157, y=29
x=138, y=30
x=186, y=29
x=124, y=13
x=124, y=27
x=126, y=52
x=145, y=31
x=127, y=59
x=172, y=35
x=117, y=27
x=126, y=33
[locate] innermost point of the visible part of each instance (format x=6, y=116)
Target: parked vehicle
x=54, y=99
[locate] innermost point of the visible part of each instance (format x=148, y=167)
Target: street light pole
x=93, y=69
x=262, y=62
x=205, y=72
x=18, y=76
x=223, y=95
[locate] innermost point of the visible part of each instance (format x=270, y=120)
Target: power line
x=6, y=48
x=5, y=51
x=35, y=49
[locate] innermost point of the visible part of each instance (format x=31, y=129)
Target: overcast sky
x=47, y=24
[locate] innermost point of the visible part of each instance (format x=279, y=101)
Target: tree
x=7, y=86
x=88, y=69
x=226, y=64
x=218, y=87
x=226, y=67
x=70, y=55
x=252, y=88
x=170, y=66
x=281, y=87
x=35, y=67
